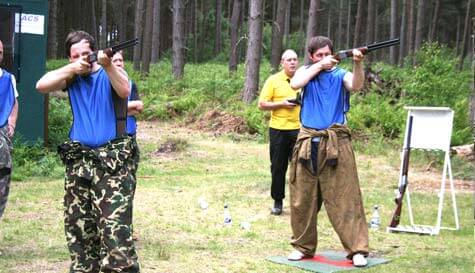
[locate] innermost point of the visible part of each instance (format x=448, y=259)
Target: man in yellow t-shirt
x=284, y=123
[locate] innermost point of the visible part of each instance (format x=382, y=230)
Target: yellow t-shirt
x=277, y=88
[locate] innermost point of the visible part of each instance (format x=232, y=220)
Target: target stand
x=431, y=130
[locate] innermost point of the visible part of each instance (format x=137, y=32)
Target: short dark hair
x=318, y=42
x=77, y=36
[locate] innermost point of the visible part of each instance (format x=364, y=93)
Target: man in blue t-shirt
x=99, y=183
x=8, y=117
x=323, y=169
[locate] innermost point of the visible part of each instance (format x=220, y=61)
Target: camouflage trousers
x=98, y=203
x=6, y=148
x=323, y=171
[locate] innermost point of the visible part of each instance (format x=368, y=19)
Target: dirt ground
x=215, y=123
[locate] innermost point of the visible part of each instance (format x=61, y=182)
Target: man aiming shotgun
x=99, y=183
x=342, y=54
x=323, y=168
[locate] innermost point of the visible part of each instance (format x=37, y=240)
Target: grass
x=175, y=235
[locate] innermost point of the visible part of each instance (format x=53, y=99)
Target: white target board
x=431, y=127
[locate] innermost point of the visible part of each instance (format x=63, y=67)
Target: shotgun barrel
x=110, y=51
x=342, y=54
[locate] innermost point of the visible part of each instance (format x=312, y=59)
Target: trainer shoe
x=295, y=255
x=359, y=260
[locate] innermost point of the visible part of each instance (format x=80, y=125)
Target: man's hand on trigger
x=328, y=62
x=81, y=66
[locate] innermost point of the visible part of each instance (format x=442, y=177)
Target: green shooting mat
x=326, y=262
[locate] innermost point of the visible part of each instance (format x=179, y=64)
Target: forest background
x=200, y=58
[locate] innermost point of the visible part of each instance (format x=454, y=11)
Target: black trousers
x=281, y=144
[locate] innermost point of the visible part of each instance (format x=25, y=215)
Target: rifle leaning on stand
x=403, y=182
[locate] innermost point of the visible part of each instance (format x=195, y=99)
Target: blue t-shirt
x=325, y=100
x=7, y=97
x=131, y=120
x=94, y=119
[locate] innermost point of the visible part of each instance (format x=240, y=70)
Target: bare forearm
x=358, y=76
x=56, y=79
x=13, y=115
x=304, y=75
x=119, y=81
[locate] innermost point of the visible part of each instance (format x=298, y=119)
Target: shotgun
x=342, y=54
x=110, y=51
x=403, y=181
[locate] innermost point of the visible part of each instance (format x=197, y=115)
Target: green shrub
x=34, y=160
x=59, y=121
x=376, y=113
x=436, y=81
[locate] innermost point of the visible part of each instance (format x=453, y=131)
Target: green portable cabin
x=23, y=31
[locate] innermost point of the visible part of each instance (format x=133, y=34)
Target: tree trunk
x=52, y=30
x=103, y=35
x=472, y=98
x=457, y=39
x=287, y=22
x=402, y=33
x=178, y=38
x=358, y=23
x=410, y=28
x=156, y=32
x=242, y=31
x=329, y=22
x=348, y=25
x=301, y=21
x=233, y=52
x=435, y=18
x=370, y=23
x=138, y=33
x=393, y=30
x=253, y=56
x=278, y=34
x=195, y=30
x=420, y=25
x=339, y=34
x=94, y=20
x=217, y=35
x=466, y=35
x=147, y=38
x=312, y=25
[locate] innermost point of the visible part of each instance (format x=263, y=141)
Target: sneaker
x=359, y=260
x=295, y=255
x=277, y=209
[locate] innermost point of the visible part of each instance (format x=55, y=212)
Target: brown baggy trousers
x=333, y=183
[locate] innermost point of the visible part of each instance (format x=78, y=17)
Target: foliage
x=434, y=81
x=378, y=109
x=59, y=121
x=376, y=113
x=34, y=160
